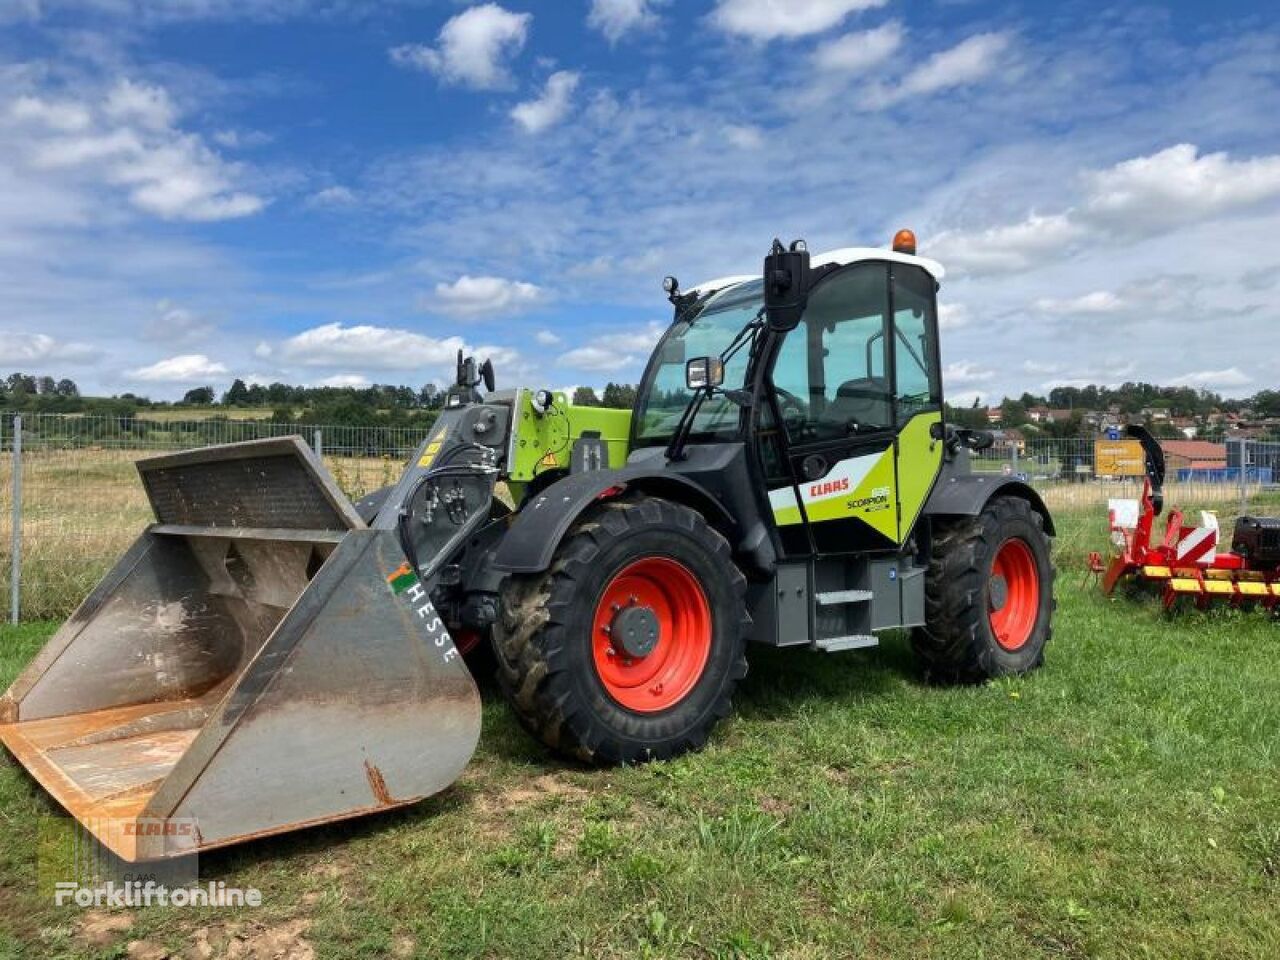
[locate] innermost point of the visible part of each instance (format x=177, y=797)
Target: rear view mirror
x=704, y=373
x=786, y=285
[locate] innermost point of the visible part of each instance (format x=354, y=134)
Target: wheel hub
x=998, y=592
x=651, y=634
x=1013, y=594
x=635, y=630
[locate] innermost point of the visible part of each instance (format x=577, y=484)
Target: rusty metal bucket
x=251, y=665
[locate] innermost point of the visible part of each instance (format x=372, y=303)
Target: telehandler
x=269, y=655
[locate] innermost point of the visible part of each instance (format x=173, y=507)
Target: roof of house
x=1195, y=450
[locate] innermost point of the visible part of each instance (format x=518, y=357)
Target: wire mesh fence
x=81, y=504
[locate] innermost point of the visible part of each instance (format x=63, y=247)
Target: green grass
x=1124, y=801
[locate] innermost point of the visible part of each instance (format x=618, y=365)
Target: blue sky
x=337, y=192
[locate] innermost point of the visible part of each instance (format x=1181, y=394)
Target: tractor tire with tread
x=544, y=635
x=958, y=643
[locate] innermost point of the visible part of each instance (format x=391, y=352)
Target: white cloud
x=970, y=60
x=551, y=107
x=263, y=350
x=369, y=347
x=744, y=136
x=128, y=138
x=1143, y=196
x=187, y=368
x=614, y=351
x=616, y=18
x=599, y=359
x=174, y=324
x=1098, y=302
x=64, y=115
x=331, y=197
x=965, y=373
x=18, y=348
x=140, y=103
x=546, y=338
x=952, y=316
x=856, y=53
x=483, y=296
x=1215, y=379
x=472, y=48
x=770, y=19
x=1177, y=185
x=1009, y=248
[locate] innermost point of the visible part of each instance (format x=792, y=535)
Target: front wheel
x=630, y=647
x=988, y=595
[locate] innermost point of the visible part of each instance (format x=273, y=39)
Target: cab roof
x=842, y=257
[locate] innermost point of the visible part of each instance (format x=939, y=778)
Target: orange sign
x=1118, y=458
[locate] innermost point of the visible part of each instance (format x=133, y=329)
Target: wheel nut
x=656, y=689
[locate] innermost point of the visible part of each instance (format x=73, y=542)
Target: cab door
x=831, y=389
x=917, y=389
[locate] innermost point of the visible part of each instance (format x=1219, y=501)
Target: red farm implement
x=1184, y=560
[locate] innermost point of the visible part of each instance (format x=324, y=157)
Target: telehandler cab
x=269, y=655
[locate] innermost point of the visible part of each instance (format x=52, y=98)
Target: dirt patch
x=497, y=803
x=100, y=928
x=282, y=941
x=145, y=950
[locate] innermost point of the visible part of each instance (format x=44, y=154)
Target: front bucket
x=246, y=668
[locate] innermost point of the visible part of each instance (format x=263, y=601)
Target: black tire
x=957, y=644
x=543, y=638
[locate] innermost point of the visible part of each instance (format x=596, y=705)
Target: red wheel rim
x=662, y=602
x=1013, y=594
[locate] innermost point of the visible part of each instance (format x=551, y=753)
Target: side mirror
x=486, y=374
x=704, y=373
x=786, y=285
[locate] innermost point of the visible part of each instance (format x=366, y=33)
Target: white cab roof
x=843, y=256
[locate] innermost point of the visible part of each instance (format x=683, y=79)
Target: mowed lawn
x=1122, y=802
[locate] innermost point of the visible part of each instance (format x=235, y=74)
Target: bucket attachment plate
x=251, y=663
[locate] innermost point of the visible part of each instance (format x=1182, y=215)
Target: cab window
x=917, y=385
x=830, y=374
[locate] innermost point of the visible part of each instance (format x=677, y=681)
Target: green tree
x=238, y=395
x=199, y=397
x=1013, y=413
x=619, y=396
x=585, y=397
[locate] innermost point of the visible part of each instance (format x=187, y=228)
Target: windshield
x=664, y=396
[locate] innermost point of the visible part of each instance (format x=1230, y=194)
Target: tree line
x=400, y=405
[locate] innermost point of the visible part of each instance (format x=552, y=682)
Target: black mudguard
x=965, y=494
x=541, y=524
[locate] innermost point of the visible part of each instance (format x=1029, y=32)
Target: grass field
x=199, y=413
x=1122, y=802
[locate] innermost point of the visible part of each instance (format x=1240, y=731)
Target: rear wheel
x=988, y=595
x=629, y=648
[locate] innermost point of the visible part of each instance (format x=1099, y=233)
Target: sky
x=345, y=193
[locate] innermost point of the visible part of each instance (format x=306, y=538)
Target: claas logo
x=828, y=487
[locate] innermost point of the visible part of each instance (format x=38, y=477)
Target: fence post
x=1244, y=466
x=15, y=576
x=317, y=443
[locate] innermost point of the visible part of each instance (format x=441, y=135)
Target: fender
x=964, y=495
x=539, y=526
